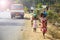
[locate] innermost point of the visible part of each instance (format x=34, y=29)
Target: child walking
x=34, y=23
x=43, y=24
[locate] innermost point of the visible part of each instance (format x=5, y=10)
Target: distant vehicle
x=17, y=11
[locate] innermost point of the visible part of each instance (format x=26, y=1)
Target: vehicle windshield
x=16, y=7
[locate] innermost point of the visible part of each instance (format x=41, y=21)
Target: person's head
x=42, y=15
x=44, y=11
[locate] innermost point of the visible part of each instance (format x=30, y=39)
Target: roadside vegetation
x=53, y=17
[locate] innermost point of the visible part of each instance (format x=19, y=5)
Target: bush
x=52, y=16
x=56, y=8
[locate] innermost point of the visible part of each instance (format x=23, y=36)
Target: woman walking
x=43, y=24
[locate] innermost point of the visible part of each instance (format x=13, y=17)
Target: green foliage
x=56, y=7
x=52, y=16
x=55, y=16
x=27, y=2
x=25, y=9
x=39, y=5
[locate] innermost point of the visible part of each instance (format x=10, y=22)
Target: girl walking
x=43, y=24
x=34, y=23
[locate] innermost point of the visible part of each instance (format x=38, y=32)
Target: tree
x=39, y=5
x=30, y=3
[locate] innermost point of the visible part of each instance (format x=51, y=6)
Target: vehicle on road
x=17, y=11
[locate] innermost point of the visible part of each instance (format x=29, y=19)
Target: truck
x=17, y=11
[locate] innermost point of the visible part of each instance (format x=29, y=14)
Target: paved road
x=10, y=29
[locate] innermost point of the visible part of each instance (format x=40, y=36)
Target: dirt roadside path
x=28, y=33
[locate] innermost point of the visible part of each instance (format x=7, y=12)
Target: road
x=5, y=14
x=11, y=29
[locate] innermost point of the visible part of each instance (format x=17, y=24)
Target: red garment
x=43, y=24
x=43, y=29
